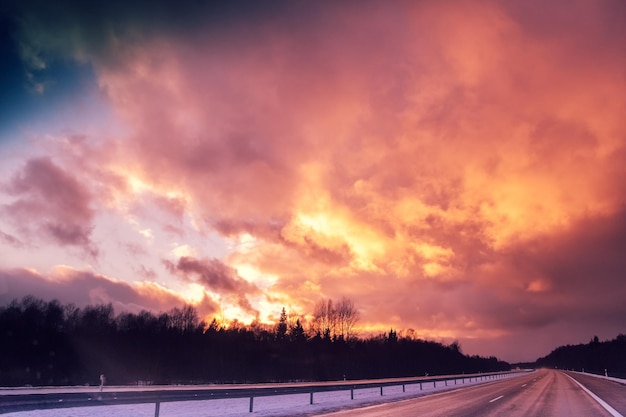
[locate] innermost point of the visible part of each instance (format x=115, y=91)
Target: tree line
x=49, y=343
x=594, y=357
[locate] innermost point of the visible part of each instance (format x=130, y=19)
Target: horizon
x=308, y=325
x=457, y=169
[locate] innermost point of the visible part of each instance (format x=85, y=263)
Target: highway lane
x=612, y=392
x=542, y=393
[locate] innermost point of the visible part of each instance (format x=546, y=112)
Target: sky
x=456, y=168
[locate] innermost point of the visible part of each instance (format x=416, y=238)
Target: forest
x=593, y=357
x=49, y=343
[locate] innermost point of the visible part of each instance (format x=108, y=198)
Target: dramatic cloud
x=86, y=288
x=455, y=168
x=217, y=277
x=52, y=203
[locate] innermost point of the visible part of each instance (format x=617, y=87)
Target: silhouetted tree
x=455, y=346
x=324, y=318
x=593, y=357
x=49, y=343
x=281, y=327
x=347, y=316
x=296, y=333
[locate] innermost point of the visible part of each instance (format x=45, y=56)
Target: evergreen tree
x=296, y=333
x=281, y=327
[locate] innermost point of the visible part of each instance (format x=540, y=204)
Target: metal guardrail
x=35, y=401
x=605, y=376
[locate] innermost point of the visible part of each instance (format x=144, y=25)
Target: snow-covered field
x=276, y=406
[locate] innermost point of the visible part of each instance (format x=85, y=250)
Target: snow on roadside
x=272, y=406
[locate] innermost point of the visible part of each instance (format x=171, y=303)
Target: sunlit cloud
x=443, y=164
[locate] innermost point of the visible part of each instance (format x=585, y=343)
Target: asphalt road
x=543, y=393
x=613, y=393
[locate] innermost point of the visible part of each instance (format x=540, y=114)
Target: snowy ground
x=608, y=378
x=275, y=406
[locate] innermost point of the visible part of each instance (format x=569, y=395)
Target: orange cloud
x=382, y=166
x=415, y=157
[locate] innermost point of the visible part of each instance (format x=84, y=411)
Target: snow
x=271, y=406
x=608, y=378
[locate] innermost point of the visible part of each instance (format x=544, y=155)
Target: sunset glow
x=457, y=169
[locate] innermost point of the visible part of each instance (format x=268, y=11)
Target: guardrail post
x=209, y=394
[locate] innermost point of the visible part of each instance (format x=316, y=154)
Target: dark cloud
x=583, y=268
x=51, y=203
x=599, y=33
x=147, y=273
x=570, y=277
x=558, y=289
x=11, y=240
x=84, y=288
x=269, y=230
x=340, y=254
x=217, y=277
x=105, y=30
x=12, y=78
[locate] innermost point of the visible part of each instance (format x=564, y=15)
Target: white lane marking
x=607, y=407
x=524, y=385
x=497, y=398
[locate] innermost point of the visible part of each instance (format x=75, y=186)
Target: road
x=542, y=393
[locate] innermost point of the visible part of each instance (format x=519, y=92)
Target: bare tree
x=336, y=319
x=185, y=319
x=347, y=317
x=324, y=318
